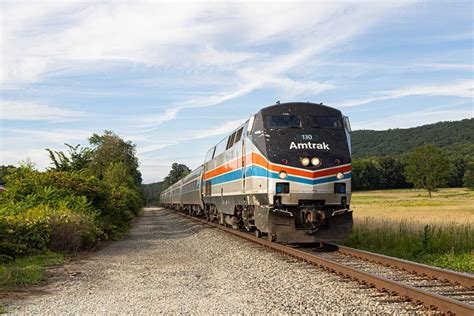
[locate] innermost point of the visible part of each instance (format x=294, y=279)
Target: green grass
x=408, y=224
x=449, y=246
x=27, y=270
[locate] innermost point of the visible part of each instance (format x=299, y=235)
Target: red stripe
x=256, y=158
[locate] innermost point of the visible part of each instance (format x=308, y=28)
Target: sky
x=176, y=77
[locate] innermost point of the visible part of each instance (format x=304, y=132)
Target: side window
x=220, y=148
x=250, y=125
x=210, y=154
x=230, y=142
x=238, y=135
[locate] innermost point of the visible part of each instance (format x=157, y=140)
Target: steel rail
x=419, y=296
x=417, y=268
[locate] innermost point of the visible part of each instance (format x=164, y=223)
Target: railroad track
x=436, y=289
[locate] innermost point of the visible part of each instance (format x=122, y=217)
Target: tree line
x=151, y=192
x=427, y=167
x=456, y=138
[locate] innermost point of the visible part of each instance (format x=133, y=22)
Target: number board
x=307, y=137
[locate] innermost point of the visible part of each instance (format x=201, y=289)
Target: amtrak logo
x=310, y=145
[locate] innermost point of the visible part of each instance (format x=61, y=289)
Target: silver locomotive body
x=286, y=173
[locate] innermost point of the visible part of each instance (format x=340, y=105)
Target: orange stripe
x=224, y=168
x=256, y=158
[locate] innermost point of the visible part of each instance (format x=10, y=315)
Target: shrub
x=64, y=210
x=41, y=228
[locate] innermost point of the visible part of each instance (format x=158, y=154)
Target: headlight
x=340, y=175
x=305, y=161
x=282, y=174
x=316, y=161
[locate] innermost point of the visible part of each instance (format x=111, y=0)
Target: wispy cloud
x=273, y=71
x=462, y=89
x=445, y=66
x=88, y=40
x=55, y=135
x=222, y=129
x=15, y=156
x=29, y=111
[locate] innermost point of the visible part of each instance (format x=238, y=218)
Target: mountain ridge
x=450, y=135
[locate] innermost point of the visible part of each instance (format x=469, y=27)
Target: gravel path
x=170, y=264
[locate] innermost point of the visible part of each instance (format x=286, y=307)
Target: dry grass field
x=408, y=224
x=446, y=207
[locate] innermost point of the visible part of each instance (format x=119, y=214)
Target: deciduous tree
x=111, y=148
x=427, y=167
x=177, y=172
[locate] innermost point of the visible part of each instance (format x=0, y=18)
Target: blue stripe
x=231, y=176
x=257, y=171
x=275, y=175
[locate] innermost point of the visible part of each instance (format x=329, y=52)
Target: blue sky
x=175, y=78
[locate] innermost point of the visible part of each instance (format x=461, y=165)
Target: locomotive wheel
x=258, y=233
x=272, y=237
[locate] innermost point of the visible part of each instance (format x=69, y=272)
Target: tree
x=116, y=175
x=177, y=172
x=468, y=179
x=365, y=175
x=110, y=148
x=77, y=158
x=4, y=170
x=427, y=167
x=391, y=173
x=151, y=192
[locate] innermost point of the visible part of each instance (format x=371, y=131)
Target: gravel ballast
x=171, y=264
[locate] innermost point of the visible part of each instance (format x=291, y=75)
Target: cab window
x=283, y=121
x=324, y=121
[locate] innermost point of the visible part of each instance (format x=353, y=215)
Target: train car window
x=250, y=124
x=238, y=135
x=210, y=154
x=324, y=121
x=283, y=121
x=220, y=148
x=230, y=142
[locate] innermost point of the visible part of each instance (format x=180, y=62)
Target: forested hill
x=457, y=136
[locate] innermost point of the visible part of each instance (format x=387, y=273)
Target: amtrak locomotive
x=285, y=173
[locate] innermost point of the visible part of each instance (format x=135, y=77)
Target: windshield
x=324, y=121
x=283, y=121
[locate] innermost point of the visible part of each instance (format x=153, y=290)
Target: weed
x=27, y=270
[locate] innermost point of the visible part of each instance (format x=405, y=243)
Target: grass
x=408, y=224
x=27, y=270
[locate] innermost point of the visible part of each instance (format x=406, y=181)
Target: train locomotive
x=285, y=173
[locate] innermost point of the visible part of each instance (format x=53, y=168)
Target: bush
x=41, y=228
x=61, y=210
x=91, y=194
x=23, y=235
